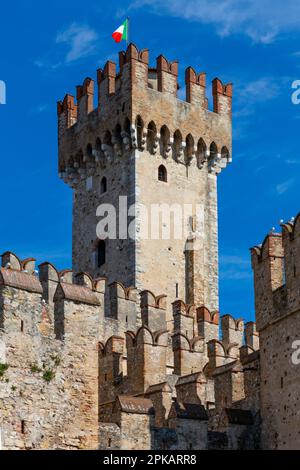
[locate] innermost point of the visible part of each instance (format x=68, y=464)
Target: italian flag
x=121, y=32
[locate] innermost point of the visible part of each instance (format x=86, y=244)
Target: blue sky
x=48, y=50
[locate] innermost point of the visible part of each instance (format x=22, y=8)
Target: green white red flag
x=121, y=33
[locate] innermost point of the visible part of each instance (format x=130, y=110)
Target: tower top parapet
x=134, y=72
x=136, y=100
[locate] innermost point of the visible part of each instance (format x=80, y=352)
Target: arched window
x=162, y=173
x=103, y=185
x=189, y=148
x=98, y=145
x=107, y=138
x=126, y=134
x=127, y=126
x=89, y=151
x=213, y=150
x=99, y=155
x=201, y=153
x=101, y=253
x=225, y=155
x=117, y=139
x=151, y=137
x=165, y=145
x=177, y=145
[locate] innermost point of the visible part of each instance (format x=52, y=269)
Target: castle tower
x=155, y=157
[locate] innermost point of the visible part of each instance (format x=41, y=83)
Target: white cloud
x=283, y=187
x=234, y=260
x=250, y=94
x=234, y=275
x=261, y=20
x=80, y=40
x=45, y=64
x=39, y=109
x=262, y=89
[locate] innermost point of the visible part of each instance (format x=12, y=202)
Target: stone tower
x=145, y=151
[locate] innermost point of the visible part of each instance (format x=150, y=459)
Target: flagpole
x=127, y=40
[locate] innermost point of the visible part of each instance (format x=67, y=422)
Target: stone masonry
x=128, y=349
x=138, y=125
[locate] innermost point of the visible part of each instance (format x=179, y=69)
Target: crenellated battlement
x=133, y=71
x=129, y=115
x=139, y=312
x=238, y=341
x=276, y=266
x=129, y=349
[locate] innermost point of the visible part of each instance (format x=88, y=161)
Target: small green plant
x=3, y=369
x=48, y=375
x=56, y=360
x=34, y=368
x=14, y=388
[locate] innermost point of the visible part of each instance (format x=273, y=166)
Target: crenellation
x=167, y=73
x=184, y=319
x=139, y=125
x=194, y=388
x=91, y=357
x=275, y=265
x=195, y=87
x=134, y=75
x=85, y=99
x=228, y=384
x=10, y=260
x=111, y=370
x=67, y=112
x=49, y=278
x=223, y=376
x=123, y=305
x=72, y=305
x=251, y=335
x=66, y=276
x=189, y=355
x=106, y=80
x=232, y=331
x=161, y=395
x=153, y=310
x=268, y=267
x=146, y=358
x=291, y=247
x=208, y=323
x=222, y=97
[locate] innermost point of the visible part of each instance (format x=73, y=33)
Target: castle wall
x=191, y=434
x=183, y=187
x=277, y=310
x=83, y=368
x=138, y=125
x=49, y=390
x=280, y=393
x=102, y=361
x=120, y=253
x=135, y=431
